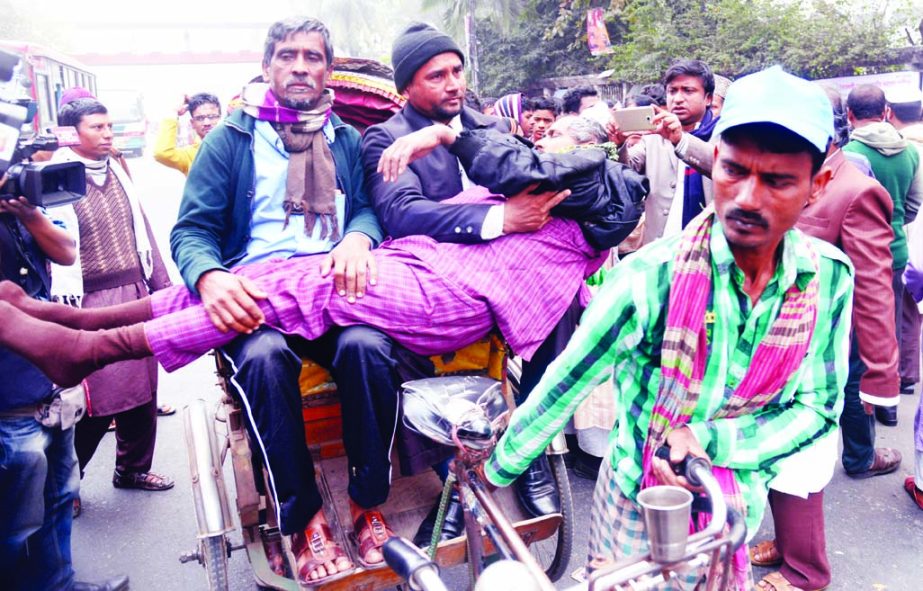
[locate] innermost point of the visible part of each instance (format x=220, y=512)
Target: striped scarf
x=685, y=349
x=310, y=185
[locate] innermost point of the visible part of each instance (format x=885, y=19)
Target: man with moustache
x=854, y=214
x=429, y=70
x=282, y=178
x=672, y=158
x=728, y=342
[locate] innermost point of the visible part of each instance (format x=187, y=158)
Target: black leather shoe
x=453, y=527
x=536, y=490
x=119, y=583
x=886, y=415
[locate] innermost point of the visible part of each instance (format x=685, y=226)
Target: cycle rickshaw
x=364, y=96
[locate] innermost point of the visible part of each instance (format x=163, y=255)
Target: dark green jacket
x=213, y=228
x=895, y=169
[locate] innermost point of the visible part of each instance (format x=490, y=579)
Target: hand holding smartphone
x=635, y=119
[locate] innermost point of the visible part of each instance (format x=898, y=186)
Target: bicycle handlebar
x=697, y=471
x=692, y=467
x=412, y=565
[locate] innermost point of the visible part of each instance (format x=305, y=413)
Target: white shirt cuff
x=878, y=400
x=493, y=223
x=681, y=146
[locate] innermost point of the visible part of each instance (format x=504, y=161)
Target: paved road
x=874, y=532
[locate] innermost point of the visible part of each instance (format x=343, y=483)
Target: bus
x=44, y=74
x=129, y=124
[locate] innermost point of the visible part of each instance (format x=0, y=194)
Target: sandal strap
x=152, y=478
x=775, y=581
x=374, y=523
x=317, y=546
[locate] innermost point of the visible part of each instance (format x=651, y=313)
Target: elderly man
x=280, y=179
x=569, y=131
x=688, y=325
x=673, y=158
x=204, y=112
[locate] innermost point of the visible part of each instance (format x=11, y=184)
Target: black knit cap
x=418, y=44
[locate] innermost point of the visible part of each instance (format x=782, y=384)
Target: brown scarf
x=311, y=183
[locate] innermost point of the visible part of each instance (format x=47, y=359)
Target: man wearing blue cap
x=729, y=342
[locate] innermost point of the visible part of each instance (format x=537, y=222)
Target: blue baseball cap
x=775, y=96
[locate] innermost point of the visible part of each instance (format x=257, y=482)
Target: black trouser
x=135, y=435
x=553, y=345
x=857, y=427
x=267, y=365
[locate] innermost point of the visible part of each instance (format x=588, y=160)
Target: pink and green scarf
x=684, y=357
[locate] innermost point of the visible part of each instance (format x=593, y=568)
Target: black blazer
x=410, y=205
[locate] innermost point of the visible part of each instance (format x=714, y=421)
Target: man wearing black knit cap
x=429, y=70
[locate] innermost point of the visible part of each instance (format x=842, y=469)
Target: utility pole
x=471, y=38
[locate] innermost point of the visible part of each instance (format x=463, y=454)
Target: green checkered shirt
x=620, y=336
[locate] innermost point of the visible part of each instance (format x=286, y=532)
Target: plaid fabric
x=620, y=337
x=431, y=297
x=685, y=351
x=617, y=531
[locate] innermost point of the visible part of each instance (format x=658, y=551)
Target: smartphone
x=635, y=119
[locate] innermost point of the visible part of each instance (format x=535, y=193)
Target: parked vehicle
x=129, y=123
x=44, y=75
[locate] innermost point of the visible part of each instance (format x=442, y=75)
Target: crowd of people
x=755, y=250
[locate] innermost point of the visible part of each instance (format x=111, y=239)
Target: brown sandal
x=376, y=532
x=314, y=548
x=776, y=582
x=765, y=554
x=142, y=481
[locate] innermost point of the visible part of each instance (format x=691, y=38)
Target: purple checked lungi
x=431, y=297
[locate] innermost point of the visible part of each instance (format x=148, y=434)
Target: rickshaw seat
x=320, y=403
x=465, y=406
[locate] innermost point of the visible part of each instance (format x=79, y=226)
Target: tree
x=814, y=38
x=464, y=16
x=531, y=50
x=19, y=22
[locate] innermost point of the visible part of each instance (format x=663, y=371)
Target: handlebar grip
x=404, y=558
x=688, y=467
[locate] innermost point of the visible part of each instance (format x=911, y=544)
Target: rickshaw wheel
x=214, y=552
x=553, y=554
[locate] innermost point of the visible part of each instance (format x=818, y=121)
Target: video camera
x=44, y=184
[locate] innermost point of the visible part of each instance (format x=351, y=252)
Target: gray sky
x=359, y=27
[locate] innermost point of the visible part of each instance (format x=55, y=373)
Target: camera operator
x=38, y=465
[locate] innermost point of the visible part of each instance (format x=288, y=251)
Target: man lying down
x=431, y=297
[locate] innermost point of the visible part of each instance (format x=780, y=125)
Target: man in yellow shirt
x=205, y=112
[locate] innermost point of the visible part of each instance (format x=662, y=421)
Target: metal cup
x=666, y=511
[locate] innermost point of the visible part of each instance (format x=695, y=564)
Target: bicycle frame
x=481, y=511
x=709, y=548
